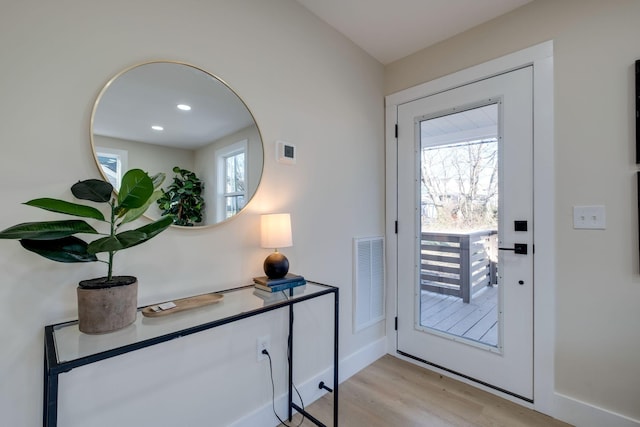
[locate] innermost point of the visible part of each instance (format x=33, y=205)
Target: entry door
x=465, y=231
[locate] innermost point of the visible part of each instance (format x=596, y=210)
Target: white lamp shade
x=275, y=231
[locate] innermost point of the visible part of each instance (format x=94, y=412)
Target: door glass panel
x=459, y=293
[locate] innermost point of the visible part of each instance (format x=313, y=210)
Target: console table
x=63, y=353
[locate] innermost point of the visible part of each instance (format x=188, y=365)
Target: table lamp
x=276, y=233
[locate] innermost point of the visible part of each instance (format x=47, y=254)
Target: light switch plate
x=589, y=217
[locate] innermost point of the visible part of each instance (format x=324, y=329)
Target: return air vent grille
x=369, y=288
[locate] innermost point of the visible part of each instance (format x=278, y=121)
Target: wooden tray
x=183, y=304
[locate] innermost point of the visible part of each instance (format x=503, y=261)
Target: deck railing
x=458, y=264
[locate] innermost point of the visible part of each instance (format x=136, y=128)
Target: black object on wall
x=637, y=96
x=638, y=190
x=638, y=111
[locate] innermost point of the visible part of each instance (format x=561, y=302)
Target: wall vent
x=368, y=282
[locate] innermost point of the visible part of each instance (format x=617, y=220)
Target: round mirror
x=177, y=119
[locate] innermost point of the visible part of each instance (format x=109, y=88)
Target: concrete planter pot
x=106, y=306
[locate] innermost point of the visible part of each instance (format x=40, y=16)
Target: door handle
x=518, y=248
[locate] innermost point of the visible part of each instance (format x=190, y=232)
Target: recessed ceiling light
x=184, y=107
x=156, y=127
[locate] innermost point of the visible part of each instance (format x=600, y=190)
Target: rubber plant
x=56, y=240
x=183, y=198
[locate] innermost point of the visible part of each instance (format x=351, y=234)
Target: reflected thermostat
x=285, y=152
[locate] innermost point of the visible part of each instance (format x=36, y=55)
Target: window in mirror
x=234, y=176
x=113, y=164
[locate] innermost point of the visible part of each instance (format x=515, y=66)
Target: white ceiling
x=392, y=29
x=466, y=126
x=386, y=29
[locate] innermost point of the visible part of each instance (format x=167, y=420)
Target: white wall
x=303, y=82
x=148, y=157
x=597, y=272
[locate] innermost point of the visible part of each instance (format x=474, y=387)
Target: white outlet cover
x=589, y=217
x=262, y=343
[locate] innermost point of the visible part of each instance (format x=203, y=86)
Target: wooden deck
x=476, y=320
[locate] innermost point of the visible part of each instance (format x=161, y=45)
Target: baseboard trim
x=579, y=413
x=362, y=358
x=348, y=366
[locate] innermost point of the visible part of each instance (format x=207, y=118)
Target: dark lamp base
x=276, y=266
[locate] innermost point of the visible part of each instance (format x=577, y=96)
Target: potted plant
x=183, y=198
x=106, y=303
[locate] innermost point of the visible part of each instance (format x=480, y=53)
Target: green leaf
x=182, y=199
x=47, y=230
x=134, y=214
x=130, y=238
x=95, y=190
x=67, y=249
x=105, y=244
x=60, y=206
x=135, y=190
x=134, y=237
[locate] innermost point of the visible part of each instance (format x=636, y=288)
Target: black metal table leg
x=290, y=357
x=335, y=357
x=50, y=388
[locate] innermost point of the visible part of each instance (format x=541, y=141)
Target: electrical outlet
x=263, y=343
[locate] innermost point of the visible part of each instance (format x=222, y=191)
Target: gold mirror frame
x=121, y=123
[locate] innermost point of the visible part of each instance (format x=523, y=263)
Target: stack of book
x=276, y=285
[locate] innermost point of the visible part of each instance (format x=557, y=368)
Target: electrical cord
x=273, y=393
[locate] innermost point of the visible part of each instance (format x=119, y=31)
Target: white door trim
x=541, y=58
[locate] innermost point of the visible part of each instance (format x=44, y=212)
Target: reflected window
x=233, y=177
x=235, y=188
x=113, y=164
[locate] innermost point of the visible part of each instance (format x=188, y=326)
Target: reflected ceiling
x=147, y=96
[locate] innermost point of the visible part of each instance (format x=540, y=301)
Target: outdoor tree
x=460, y=185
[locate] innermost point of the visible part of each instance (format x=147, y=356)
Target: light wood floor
x=395, y=393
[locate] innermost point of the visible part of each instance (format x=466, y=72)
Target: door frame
x=541, y=58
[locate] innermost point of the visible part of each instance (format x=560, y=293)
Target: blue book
x=289, y=278
x=280, y=287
